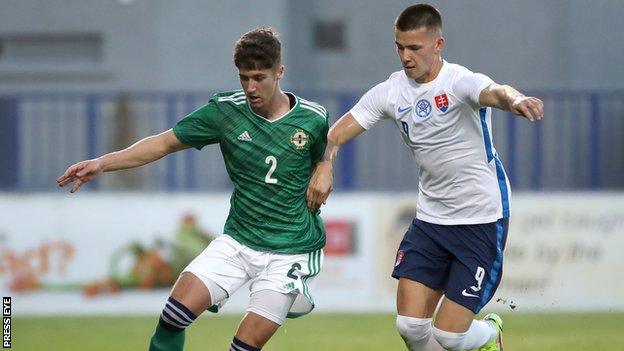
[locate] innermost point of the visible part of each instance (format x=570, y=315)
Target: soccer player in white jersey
x=453, y=249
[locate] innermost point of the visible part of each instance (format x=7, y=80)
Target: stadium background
x=78, y=79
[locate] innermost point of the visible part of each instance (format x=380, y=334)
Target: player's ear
x=439, y=45
x=280, y=72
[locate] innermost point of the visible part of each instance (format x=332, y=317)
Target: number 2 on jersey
x=273, y=161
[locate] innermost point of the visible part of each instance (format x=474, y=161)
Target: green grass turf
x=318, y=332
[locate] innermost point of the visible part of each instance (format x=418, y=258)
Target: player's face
x=260, y=85
x=419, y=51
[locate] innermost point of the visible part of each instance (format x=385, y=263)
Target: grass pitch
x=318, y=332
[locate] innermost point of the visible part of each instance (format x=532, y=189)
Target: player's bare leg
x=456, y=329
x=416, y=304
x=192, y=293
x=189, y=298
x=267, y=311
x=453, y=317
x=255, y=330
x=415, y=299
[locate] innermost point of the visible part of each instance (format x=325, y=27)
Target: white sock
x=432, y=344
x=417, y=333
x=479, y=333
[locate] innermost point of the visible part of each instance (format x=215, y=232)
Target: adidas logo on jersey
x=244, y=136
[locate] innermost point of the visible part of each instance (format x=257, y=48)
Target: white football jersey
x=462, y=180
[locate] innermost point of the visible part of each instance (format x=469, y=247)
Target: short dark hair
x=417, y=16
x=259, y=48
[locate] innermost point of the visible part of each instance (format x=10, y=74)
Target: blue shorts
x=464, y=261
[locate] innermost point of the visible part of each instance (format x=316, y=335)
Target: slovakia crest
x=442, y=102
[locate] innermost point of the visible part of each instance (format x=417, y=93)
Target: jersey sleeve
x=201, y=127
x=469, y=87
x=372, y=106
x=318, y=148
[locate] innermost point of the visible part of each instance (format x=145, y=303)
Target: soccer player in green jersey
x=270, y=140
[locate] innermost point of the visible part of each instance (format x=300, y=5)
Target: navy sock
x=238, y=345
x=175, y=316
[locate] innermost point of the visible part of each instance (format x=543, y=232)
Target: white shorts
x=231, y=264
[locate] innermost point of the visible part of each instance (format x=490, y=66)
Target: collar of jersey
x=280, y=117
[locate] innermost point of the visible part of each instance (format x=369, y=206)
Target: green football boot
x=496, y=344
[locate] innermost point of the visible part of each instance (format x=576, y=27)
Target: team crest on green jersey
x=299, y=139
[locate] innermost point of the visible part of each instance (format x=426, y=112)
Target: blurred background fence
x=578, y=145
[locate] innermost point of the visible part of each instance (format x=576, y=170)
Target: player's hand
x=321, y=185
x=529, y=107
x=80, y=173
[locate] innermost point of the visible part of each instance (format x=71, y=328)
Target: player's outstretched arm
x=322, y=179
x=507, y=98
x=142, y=152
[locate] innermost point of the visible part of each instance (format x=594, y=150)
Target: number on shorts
x=479, y=277
x=273, y=161
x=290, y=274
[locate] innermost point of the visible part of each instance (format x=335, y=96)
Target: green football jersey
x=269, y=163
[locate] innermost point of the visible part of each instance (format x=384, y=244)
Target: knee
x=413, y=330
x=448, y=340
